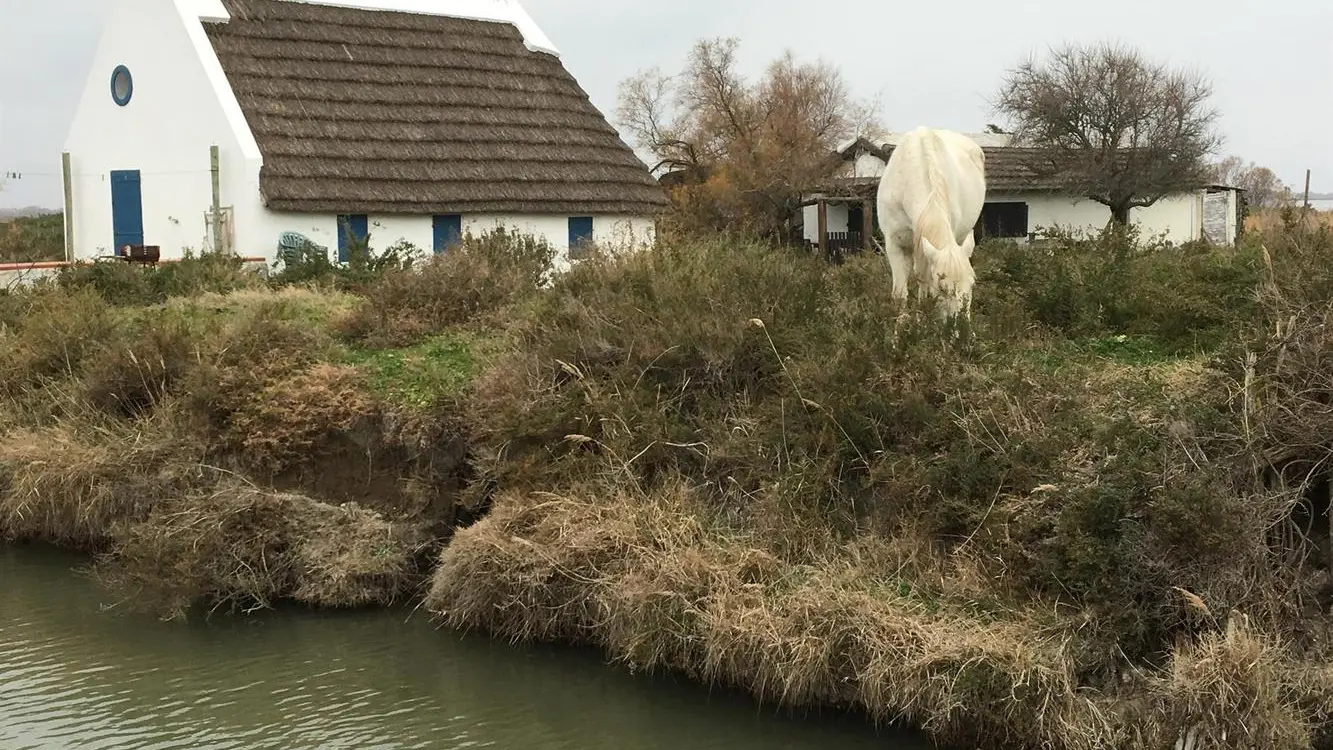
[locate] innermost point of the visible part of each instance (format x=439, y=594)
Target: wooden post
x=867, y=225
x=67, y=175
x=1306, y=203
x=217, y=200
x=823, y=227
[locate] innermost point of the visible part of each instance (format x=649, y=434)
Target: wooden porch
x=834, y=245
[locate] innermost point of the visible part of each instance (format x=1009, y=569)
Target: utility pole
x=67, y=177
x=217, y=200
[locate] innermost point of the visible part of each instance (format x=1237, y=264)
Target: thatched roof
x=1008, y=170
x=374, y=111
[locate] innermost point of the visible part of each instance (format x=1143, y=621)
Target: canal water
x=75, y=675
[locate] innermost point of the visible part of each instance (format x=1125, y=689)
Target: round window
x=122, y=85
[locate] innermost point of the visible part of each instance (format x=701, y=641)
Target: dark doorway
x=1008, y=219
x=856, y=216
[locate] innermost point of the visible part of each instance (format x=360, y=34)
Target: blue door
x=580, y=230
x=447, y=230
x=126, y=209
x=357, y=226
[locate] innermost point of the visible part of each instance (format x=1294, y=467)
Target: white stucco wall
x=612, y=232
x=837, y=220
x=175, y=114
x=1176, y=219
x=1057, y=211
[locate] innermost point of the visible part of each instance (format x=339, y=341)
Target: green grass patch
x=422, y=375
x=1128, y=350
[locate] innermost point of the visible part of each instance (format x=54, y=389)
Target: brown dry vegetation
x=1099, y=519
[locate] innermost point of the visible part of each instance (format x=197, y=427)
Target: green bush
x=310, y=263
x=1182, y=298
x=470, y=283
x=133, y=284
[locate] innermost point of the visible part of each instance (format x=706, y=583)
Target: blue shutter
x=126, y=209
x=580, y=229
x=357, y=226
x=447, y=230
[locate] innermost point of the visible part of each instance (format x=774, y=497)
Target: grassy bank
x=215, y=439
x=1098, y=519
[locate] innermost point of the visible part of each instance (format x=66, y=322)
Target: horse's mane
x=937, y=195
x=934, y=178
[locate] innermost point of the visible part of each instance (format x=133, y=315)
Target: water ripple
x=74, y=676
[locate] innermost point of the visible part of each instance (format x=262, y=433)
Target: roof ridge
x=500, y=12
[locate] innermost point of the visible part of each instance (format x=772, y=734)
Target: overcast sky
x=933, y=63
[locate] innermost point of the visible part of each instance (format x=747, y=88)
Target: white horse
x=930, y=197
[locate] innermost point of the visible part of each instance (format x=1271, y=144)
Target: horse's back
x=932, y=164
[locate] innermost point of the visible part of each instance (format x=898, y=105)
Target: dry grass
x=210, y=451
x=475, y=283
x=1274, y=220
x=236, y=545
x=1235, y=688
x=288, y=423
x=724, y=463
x=75, y=483
x=659, y=584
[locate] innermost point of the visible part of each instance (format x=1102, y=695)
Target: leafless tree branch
x=1120, y=129
x=749, y=150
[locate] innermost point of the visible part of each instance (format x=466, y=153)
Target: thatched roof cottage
x=400, y=119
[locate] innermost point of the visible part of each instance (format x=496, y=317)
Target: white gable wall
x=865, y=165
x=175, y=114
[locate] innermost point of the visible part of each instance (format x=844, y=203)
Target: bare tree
x=1262, y=187
x=746, y=151
x=1116, y=127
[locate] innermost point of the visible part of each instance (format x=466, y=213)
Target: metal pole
x=217, y=200
x=867, y=223
x=67, y=176
x=822, y=213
